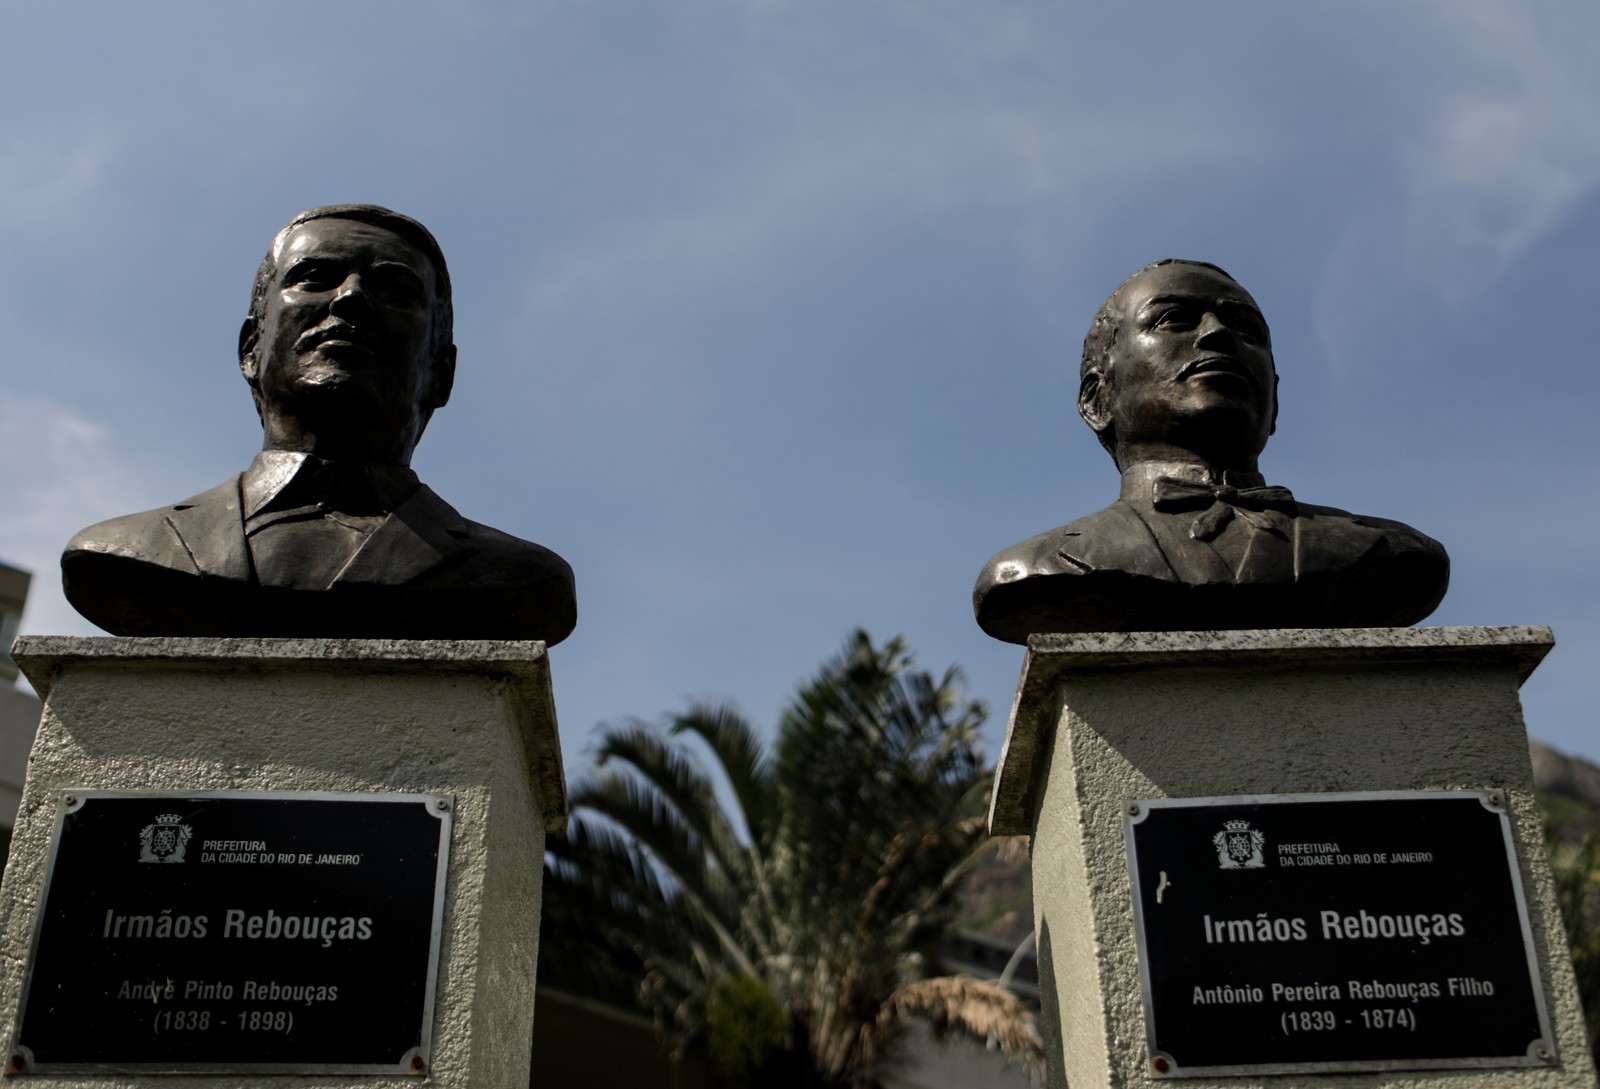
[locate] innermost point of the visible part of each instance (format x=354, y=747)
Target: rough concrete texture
x=1223, y=714
x=1053, y=659
x=471, y=720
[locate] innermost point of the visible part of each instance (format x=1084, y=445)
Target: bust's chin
x=339, y=420
x=1224, y=432
x=336, y=392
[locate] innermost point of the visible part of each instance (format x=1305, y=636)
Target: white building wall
x=19, y=719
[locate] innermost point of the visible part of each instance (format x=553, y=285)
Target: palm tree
x=784, y=912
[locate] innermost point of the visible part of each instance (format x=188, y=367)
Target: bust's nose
x=1213, y=333
x=351, y=297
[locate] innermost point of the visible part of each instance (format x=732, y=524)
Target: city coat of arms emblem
x=164, y=839
x=1239, y=847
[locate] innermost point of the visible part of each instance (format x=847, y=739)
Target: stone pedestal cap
x=1054, y=659
x=524, y=667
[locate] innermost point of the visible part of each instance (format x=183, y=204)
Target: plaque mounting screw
x=71, y=800
x=444, y=807
x=1543, y=1052
x=1133, y=811
x=1159, y=1064
x=16, y=1065
x=419, y=1065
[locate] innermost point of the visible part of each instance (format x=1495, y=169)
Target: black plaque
x=1333, y=932
x=237, y=931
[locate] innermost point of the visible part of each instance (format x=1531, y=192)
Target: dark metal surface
x=174, y=935
x=1319, y=933
x=1179, y=383
x=348, y=351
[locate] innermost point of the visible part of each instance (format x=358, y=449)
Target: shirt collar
x=274, y=471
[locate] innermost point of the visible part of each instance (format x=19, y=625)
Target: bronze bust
x=348, y=351
x=1179, y=383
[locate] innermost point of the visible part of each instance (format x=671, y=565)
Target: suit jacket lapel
x=1118, y=538
x=413, y=539
x=1327, y=540
x=1269, y=557
x=1185, y=559
x=211, y=527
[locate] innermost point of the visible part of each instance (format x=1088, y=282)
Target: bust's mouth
x=338, y=338
x=1219, y=364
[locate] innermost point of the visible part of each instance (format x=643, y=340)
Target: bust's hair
x=1102, y=335
x=404, y=226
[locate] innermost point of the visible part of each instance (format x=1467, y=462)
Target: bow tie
x=1219, y=504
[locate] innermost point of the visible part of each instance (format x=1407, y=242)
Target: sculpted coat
x=1138, y=565
x=424, y=572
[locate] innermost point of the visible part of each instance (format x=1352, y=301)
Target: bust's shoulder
x=1115, y=537
x=494, y=549
x=481, y=550
x=1329, y=516
x=148, y=536
x=137, y=574
x=1076, y=577
x=497, y=585
x=1338, y=535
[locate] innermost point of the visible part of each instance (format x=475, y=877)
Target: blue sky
x=769, y=310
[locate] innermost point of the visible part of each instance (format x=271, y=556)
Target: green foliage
x=1564, y=816
x=818, y=882
x=1577, y=878
x=744, y=1024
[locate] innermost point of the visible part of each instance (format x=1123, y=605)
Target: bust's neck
x=344, y=442
x=1139, y=478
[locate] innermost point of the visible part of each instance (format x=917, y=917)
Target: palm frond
x=675, y=846
x=821, y=879
x=681, y=783
x=741, y=756
x=975, y=1008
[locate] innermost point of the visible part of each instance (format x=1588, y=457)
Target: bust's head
x=1178, y=365
x=347, y=347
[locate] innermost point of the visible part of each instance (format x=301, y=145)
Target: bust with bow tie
x=348, y=351
x=1179, y=384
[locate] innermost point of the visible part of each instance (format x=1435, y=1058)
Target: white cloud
x=41, y=182
x=848, y=177
x=1505, y=146
x=1508, y=155
x=63, y=473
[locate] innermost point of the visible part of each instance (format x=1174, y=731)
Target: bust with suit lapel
x=347, y=350
x=1179, y=384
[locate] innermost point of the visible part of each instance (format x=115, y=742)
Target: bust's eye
x=311, y=277
x=1176, y=317
x=1246, y=324
x=402, y=289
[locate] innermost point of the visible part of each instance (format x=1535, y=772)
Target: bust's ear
x=1093, y=397
x=247, y=350
x=444, y=377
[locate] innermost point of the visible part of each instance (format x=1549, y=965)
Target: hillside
x=1569, y=791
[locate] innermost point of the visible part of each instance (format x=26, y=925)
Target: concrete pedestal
x=466, y=719
x=1102, y=719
